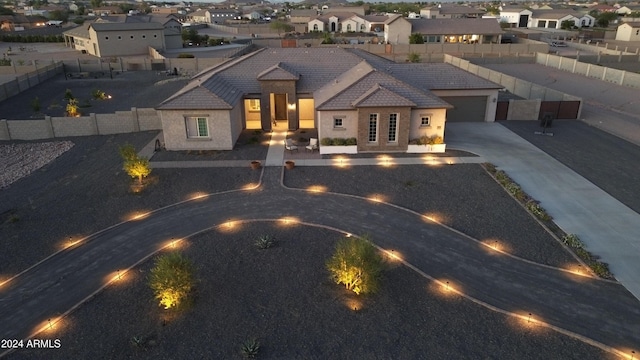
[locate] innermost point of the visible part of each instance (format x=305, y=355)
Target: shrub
x=357, y=264
x=68, y=95
x=573, y=241
x=339, y=141
x=265, y=242
x=73, y=108
x=352, y=141
x=98, y=94
x=537, y=210
x=250, y=348
x=185, y=56
x=326, y=141
x=35, y=104
x=171, y=279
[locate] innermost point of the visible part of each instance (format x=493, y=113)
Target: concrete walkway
x=608, y=228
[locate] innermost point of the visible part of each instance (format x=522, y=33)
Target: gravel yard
x=21, y=159
x=282, y=296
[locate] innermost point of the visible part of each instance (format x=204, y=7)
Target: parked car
x=558, y=44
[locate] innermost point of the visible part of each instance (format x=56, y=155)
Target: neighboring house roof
x=357, y=79
x=223, y=11
x=376, y=18
x=633, y=24
x=199, y=13
x=303, y=12
x=81, y=31
x=111, y=26
x=458, y=10
x=555, y=14
x=455, y=26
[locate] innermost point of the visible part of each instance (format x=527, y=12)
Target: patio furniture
x=313, y=144
x=288, y=145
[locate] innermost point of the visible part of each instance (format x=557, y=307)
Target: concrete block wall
x=608, y=74
x=523, y=109
x=93, y=124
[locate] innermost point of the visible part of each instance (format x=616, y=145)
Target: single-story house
x=553, y=19
x=343, y=93
x=451, y=12
x=302, y=16
x=628, y=32
x=347, y=22
x=469, y=31
x=628, y=9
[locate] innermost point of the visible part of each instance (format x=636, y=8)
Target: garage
x=466, y=108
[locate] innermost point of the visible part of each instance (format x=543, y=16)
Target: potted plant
x=255, y=164
x=289, y=164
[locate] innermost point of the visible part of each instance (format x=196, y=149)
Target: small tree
x=134, y=165
x=413, y=57
x=280, y=26
x=171, y=279
x=357, y=264
x=73, y=109
x=416, y=38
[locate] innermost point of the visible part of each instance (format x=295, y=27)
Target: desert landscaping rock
x=18, y=160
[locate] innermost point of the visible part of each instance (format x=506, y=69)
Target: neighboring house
x=627, y=9
x=601, y=8
x=358, y=10
x=199, y=16
x=302, y=16
x=451, y=12
x=164, y=10
x=628, y=32
x=111, y=39
x=218, y=16
x=347, y=22
x=516, y=17
x=252, y=15
x=342, y=93
x=468, y=31
x=107, y=10
x=19, y=22
x=552, y=19
x=397, y=30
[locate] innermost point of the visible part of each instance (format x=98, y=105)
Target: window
x=155, y=35
x=106, y=38
x=348, y=27
x=338, y=123
x=393, y=127
x=254, y=104
x=373, y=127
x=315, y=27
x=197, y=127
x=131, y=37
x=362, y=27
x=425, y=120
x=144, y=36
x=119, y=37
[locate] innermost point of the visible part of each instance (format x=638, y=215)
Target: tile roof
x=554, y=14
x=109, y=26
x=336, y=77
x=460, y=10
x=379, y=95
x=456, y=26
x=278, y=72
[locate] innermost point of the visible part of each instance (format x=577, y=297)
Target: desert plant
x=98, y=94
x=138, y=342
x=250, y=348
x=265, y=242
x=413, y=57
x=573, y=241
x=68, y=95
x=135, y=166
x=537, y=210
x=171, y=279
x=73, y=109
x=35, y=104
x=357, y=264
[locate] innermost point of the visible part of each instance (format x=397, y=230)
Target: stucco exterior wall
x=349, y=124
x=438, y=117
x=492, y=96
x=627, y=33
x=382, y=143
x=220, y=130
x=397, y=32
x=129, y=42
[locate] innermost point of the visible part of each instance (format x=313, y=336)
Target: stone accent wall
x=404, y=119
x=278, y=87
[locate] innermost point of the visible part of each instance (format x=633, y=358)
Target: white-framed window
x=373, y=128
x=348, y=27
x=362, y=27
x=197, y=127
x=393, y=128
x=254, y=104
x=315, y=27
x=425, y=120
x=338, y=123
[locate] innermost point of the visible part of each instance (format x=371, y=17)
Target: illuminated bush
x=171, y=279
x=357, y=264
x=136, y=166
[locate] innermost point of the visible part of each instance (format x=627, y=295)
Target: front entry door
x=281, y=106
